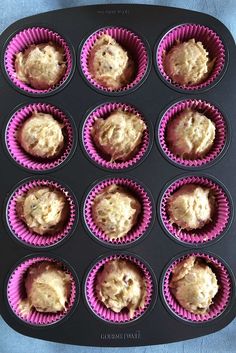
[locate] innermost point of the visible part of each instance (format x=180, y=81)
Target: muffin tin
x=152, y=174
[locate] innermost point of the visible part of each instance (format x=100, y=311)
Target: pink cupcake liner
x=99, y=308
x=16, y=293
x=221, y=300
x=210, y=112
x=22, y=41
x=211, y=230
x=25, y=159
x=144, y=219
x=102, y=112
x=129, y=41
x=20, y=229
x=211, y=42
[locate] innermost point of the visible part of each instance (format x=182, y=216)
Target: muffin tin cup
x=221, y=300
x=210, y=231
x=144, y=219
x=130, y=42
x=99, y=308
x=16, y=293
x=21, y=41
x=102, y=112
x=20, y=230
x=211, y=113
x=20, y=155
x=211, y=42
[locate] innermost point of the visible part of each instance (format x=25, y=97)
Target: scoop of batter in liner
x=41, y=136
x=121, y=285
x=41, y=66
x=191, y=207
x=190, y=134
x=115, y=211
x=194, y=285
x=47, y=288
x=109, y=64
x=119, y=135
x=188, y=63
x=43, y=210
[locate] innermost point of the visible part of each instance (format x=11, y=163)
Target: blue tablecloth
x=223, y=341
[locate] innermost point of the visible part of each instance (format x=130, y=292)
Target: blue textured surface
x=223, y=341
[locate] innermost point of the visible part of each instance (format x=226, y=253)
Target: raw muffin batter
x=188, y=63
x=190, y=135
x=43, y=209
x=191, y=207
x=47, y=288
x=41, y=136
x=121, y=285
x=41, y=66
x=115, y=211
x=109, y=64
x=194, y=285
x=119, y=135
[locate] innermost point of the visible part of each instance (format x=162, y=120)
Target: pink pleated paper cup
x=99, y=308
x=144, y=219
x=16, y=293
x=212, y=113
x=211, y=42
x=221, y=300
x=21, y=41
x=20, y=155
x=130, y=42
x=20, y=230
x=103, y=112
x=211, y=231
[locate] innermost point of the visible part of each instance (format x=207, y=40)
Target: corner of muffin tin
x=99, y=248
